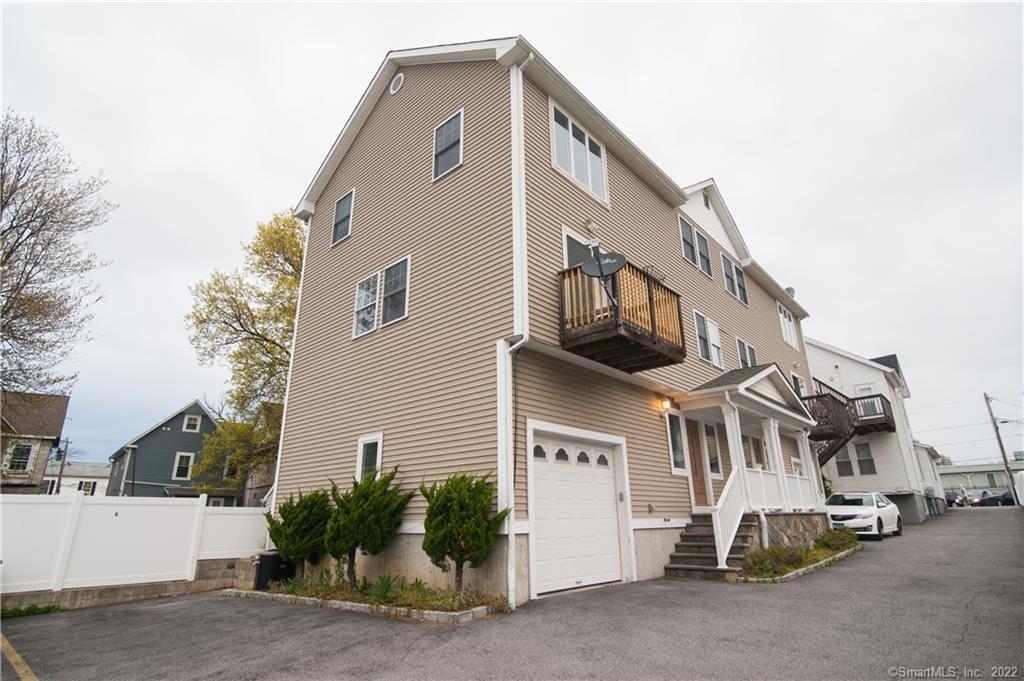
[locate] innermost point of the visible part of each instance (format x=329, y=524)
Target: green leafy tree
x=459, y=527
x=247, y=317
x=365, y=518
x=237, y=448
x=299, y=533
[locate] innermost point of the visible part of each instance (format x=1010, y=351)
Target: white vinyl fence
x=55, y=542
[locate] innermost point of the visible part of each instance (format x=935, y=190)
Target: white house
x=883, y=460
x=928, y=458
x=90, y=478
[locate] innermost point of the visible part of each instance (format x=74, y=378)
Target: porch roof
x=764, y=384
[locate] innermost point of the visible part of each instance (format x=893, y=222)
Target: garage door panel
x=576, y=522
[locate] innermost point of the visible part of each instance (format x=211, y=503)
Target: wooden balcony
x=644, y=331
x=832, y=414
x=872, y=414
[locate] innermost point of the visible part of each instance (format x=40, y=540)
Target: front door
x=700, y=483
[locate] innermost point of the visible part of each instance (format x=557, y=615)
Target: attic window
x=396, y=83
x=191, y=424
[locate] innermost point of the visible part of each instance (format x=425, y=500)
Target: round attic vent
x=396, y=83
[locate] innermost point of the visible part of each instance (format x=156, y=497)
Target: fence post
x=67, y=542
x=197, y=537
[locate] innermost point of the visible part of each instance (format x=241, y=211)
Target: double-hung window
x=448, y=145
x=709, y=339
x=735, y=282
x=746, y=353
x=381, y=298
x=182, y=466
x=689, y=245
x=843, y=464
x=21, y=454
x=192, y=423
x=788, y=325
x=368, y=455
x=87, y=486
x=578, y=154
x=702, y=253
x=799, y=385
x=676, y=442
x=343, y=217
x=865, y=462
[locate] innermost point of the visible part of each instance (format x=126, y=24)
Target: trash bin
x=270, y=568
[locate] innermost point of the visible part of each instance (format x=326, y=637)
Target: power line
x=967, y=442
x=1012, y=404
x=966, y=425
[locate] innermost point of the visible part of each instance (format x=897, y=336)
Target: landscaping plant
x=365, y=518
x=837, y=540
x=299, y=534
x=459, y=527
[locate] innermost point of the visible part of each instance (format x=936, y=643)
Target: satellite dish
x=609, y=264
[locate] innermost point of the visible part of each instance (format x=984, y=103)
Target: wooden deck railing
x=646, y=306
x=872, y=410
x=832, y=416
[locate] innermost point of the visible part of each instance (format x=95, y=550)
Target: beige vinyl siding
x=790, y=450
x=641, y=225
x=547, y=389
x=428, y=381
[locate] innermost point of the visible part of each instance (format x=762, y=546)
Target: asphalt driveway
x=948, y=593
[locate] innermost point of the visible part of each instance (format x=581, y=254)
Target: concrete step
x=744, y=528
x=704, y=559
x=709, y=547
x=729, y=574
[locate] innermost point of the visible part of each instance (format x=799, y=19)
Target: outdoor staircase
x=694, y=557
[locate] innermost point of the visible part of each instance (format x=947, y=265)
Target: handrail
x=871, y=407
x=821, y=388
x=726, y=516
x=644, y=304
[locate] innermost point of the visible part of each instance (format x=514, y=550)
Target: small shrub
x=837, y=540
x=25, y=611
x=384, y=590
x=459, y=527
x=299, y=534
x=758, y=564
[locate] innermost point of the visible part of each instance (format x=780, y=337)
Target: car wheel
x=899, y=527
x=879, y=529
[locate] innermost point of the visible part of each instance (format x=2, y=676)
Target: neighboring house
x=88, y=478
x=445, y=325
x=978, y=477
x=928, y=458
x=159, y=462
x=874, y=448
x=260, y=480
x=30, y=429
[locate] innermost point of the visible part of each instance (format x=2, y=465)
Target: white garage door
x=576, y=524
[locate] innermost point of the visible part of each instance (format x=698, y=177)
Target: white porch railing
x=726, y=516
x=801, y=492
x=764, y=489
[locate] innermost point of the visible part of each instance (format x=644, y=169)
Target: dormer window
x=578, y=154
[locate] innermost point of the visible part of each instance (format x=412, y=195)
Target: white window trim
x=708, y=321
x=855, y=457
x=685, y=222
x=377, y=437
x=735, y=280
x=711, y=263
x=199, y=423
x=351, y=216
x=803, y=383
x=378, y=304
x=707, y=454
x=33, y=449
x=792, y=325
x=687, y=462
x=739, y=351
x=854, y=470
x=174, y=468
x=461, y=113
x=606, y=202
x=577, y=236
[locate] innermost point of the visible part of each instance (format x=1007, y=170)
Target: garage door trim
x=617, y=444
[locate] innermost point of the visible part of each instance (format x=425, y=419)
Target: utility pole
x=1002, y=450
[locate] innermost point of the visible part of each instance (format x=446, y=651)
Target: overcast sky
x=870, y=154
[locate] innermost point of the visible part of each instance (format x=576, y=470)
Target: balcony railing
x=832, y=415
x=872, y=413
x=643, y=331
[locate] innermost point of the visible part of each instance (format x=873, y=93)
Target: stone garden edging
x=790, y=576
x=458, y=617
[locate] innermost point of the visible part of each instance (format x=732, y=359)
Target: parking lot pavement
x=947, y=593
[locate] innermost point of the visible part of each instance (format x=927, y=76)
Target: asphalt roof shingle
x=34, y=414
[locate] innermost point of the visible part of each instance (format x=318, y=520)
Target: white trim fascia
x=520, y=252
x=821, y=345
x=714, y=195
x=757, y=272
x=624, y=508
x=461, y=113
x=363, y=440
x=774, y=411
x=291, y=363
x=213, y=419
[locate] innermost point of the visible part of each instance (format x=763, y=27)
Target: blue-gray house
x=159, y=462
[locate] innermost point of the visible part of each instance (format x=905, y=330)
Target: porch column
x=803, y=443
x=734, y=438
x=770, y=428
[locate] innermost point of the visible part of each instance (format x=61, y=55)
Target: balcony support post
x=772, y=441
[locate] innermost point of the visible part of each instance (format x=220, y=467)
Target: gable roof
x=194, y=403
x=892, y=373
x=746, y=381
x=79, y=469
x=34, y=414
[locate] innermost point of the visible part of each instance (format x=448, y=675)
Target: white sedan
x=867, y=513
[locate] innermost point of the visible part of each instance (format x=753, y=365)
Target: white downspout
x=764, y=528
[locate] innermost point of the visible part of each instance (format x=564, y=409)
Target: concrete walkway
x=949, y=592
